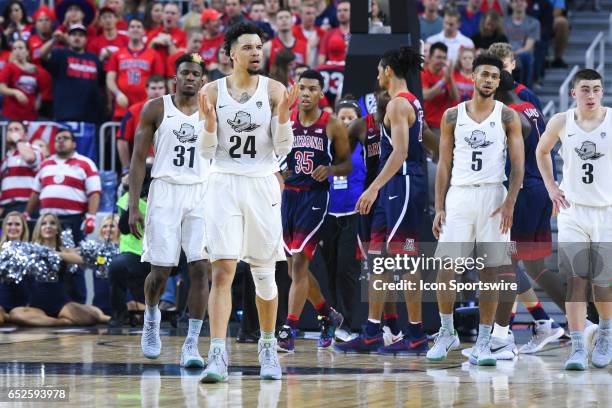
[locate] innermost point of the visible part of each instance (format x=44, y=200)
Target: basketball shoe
x=268, y=359
x=391, y=338
x=216, y=369
x=481, y=353
x=329, y=324
x=501, y=349
x=286, y=340
x=544, y=331
x=190, y=356
x=445, y=341
x=406, y=346
x=362, y=344
x=602, y=352
x=150, y=341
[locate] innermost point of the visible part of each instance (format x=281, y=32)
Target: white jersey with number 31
x=244, y=133
x=587, y=162
x=177, y=159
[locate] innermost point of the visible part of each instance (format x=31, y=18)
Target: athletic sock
x=292, y=321
x=500, y=332
x=484, y=332
x=447, y=322
x=415, y=330
x=152, y=312
x=220, y=343
x=605, y=324
x=390, y=320
x=267, y=337
x=577, y=340
x=323, y=308
x=193, y=333
x=538, y=313
x=511, y=323
x=372, y=327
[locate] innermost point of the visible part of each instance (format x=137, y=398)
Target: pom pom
x=21, y=259
x=98, y=255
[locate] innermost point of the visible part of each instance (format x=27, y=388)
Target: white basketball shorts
x=175, y=219
x=469, y=221
x=243, y=219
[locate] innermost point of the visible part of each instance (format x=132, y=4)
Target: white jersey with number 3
x=244, y=133
x=479, y=155
x=177, y=159
x=587, y=162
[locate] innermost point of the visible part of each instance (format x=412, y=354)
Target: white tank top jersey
x=587, y=162
x=244, y=133
x=479, y=155
x=177, y=159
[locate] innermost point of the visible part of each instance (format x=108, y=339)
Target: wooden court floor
x=102, y=370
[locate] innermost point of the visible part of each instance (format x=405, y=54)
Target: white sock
x=152, y=312
x=500, y=332
x=193, y=333
x=220, y=343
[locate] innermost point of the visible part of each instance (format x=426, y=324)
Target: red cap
x=43, y=11
x=107, y=9
x=209, y=14
x=336, y=48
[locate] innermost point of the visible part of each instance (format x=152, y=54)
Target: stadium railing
x=108, y=128
x=564, y=89
x=589, y=55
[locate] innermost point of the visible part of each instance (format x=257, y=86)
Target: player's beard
x=253, y=72
x=484, y=95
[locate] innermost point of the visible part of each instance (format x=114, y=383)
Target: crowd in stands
x=87, y=63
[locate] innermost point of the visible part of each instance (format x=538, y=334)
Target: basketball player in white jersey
x=175, y=213
x=583, y=203
x=472, y=203
x=246, y=126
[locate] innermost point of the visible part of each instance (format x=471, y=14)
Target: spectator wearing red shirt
x=20, y=83
x=333, y=70
x=110, y=41
x=309, y=32
x=119, y=7
x=462, y=74
x=169, y=37
x=4, y=57
x=16, y=25
x=18, y=169
x=129, y=69
x=439, y=92
x=213, y=37
x=67, y=185
x=343, y=13
x=194, y=44
x=156, y=88
x=285, y=39
x=44, y=19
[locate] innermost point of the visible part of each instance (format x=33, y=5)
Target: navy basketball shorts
x=364, y=232
x=303, y=212
x=531, y=224
x=51, y=297
x=397, y=216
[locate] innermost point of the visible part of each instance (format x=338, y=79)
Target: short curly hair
x=238, y=29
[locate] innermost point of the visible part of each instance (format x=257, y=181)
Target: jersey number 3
x=179, y=160
x=249, y=146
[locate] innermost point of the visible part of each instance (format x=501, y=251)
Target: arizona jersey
x=311, y=149
x=333, y=79
x=587, y=162
x=371, y=149
x=177, y=159
x=416, y=156
x=479, y=155
x=532, y=173
x=527, y=95
x=244, y=133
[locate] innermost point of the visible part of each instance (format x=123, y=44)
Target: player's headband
x=348, y=103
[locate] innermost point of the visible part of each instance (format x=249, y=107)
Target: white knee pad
x=265, y=284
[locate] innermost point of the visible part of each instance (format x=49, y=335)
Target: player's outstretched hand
x=438, y=222
x=365, y=202
x=207, y=111
x=321, y=173
x=557, y=196
x=506, y=210
x=287, y=100
x=136, y=221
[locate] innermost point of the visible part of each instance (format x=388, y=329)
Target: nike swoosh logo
x=315, y=208
x=392, y=197
x=461, y=124
x=371, y=341
x=414, y=344
x=449, y=346
x=274, y=204
x=170, y=116
x=571, y=135
x=371, y=137
x=495, y=350
x=222, y=106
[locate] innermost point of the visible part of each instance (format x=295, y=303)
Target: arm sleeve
x=208, y=145
x=282, y=137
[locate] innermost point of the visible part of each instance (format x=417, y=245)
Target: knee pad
x=265, y=283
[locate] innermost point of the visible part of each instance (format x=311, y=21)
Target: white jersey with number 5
x=244, y=133
x=479, y=155
x=587, y=162
x=177, y=159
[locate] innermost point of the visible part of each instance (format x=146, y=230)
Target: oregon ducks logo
x=242, y=122
x=588, y=151
x=478, y=139
x=186, y=134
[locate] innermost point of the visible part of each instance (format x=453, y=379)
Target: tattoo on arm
x=451, y=116
x=244, y=97
x=507, y=115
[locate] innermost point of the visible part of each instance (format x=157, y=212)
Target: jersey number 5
x=476, y=161
x=249, y=146
x=179, y=160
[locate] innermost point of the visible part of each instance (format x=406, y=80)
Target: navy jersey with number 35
x=311, y=149
x=416, y=156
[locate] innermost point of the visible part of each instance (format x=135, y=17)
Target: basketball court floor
x=102, y=370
